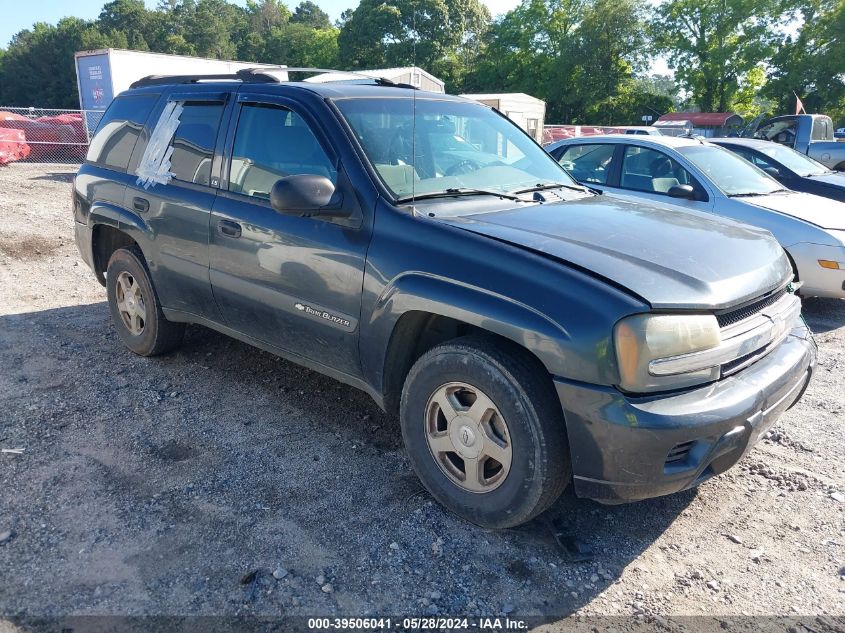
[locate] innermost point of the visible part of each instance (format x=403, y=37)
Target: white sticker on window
x=155, y=163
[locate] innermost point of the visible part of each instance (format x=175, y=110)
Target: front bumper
x=818, y=281
x=625, y=449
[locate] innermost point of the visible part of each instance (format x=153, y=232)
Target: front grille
x=743, y=361
x=736, y=315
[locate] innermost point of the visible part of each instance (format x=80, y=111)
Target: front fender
x=417, y=291
x=574, y=354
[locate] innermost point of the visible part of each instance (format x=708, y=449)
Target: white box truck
x=103, y=74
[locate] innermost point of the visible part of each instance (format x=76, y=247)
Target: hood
x=833, y=179
x=671, y=257
x=823, y=212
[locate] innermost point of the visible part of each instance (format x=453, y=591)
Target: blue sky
x=27, y=12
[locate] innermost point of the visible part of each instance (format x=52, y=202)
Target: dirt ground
x=179, y=485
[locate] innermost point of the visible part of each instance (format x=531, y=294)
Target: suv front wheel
x=134, y=306
x=484, y=431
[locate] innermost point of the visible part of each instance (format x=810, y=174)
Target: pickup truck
x=810, y=134
x=528, y=332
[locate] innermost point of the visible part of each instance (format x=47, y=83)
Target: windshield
x=796, y=161
x=733, y=175
x=447, y=146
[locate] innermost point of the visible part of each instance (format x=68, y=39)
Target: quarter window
x=588, y=163
x=272, y=142
x=193, y=142
x=649, y=170
x=118, y=131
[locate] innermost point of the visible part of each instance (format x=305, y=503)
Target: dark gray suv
x=528, y=332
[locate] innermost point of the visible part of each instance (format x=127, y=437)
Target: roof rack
x=260, y=75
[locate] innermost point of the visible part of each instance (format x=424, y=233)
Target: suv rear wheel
x=134, y=306
x=484, y=431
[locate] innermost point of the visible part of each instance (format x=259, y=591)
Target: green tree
x=310, y=14
x=712, y=44
x=38, y=67
x=301, y=45
x=577, y=55
x=129, y=17
x=211, y=26
x=423, y=32
x=748, y=101
x=810, y=64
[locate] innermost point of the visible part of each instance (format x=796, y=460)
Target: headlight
x=643, y=338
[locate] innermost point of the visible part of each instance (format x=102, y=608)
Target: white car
x=694, y=174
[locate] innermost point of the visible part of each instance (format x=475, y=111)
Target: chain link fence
x=46, y=134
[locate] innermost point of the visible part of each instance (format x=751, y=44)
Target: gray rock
x=394, y=546
x=434, y=595
x=507, y=608
x=327, y=588
x=837, y=496
x=280, y=573
x=712, y=584
x=5, y=536
x=734, y=538
x=321, y=579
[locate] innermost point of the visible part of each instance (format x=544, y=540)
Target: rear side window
x=193, y=142
x=119, y=128
x=822, y=129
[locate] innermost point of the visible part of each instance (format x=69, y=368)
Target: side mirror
x=305, y=195
x=774, y=172
x=681, y=191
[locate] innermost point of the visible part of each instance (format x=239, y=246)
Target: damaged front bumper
x=625, y=448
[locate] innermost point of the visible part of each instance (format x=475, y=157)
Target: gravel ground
x=222, y=480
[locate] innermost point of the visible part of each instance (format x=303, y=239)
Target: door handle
x=141, y=204
x=229, y=228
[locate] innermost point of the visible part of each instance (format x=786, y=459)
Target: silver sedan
x=696, y=175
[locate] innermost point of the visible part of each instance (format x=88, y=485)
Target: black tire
x=522, y=391
x=157, y=335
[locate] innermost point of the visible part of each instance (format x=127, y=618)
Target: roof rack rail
x=158, y=80
x=263, y=74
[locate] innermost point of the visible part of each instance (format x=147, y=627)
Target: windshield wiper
x=752, y=194
x=553, y=185
x=462, y=191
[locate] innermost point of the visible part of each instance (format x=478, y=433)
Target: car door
x=174, y=190
x=291, y=282
x=649, y=173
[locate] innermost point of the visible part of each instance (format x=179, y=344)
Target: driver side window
x=588, y=163
x=649, y=170
x=272, y=142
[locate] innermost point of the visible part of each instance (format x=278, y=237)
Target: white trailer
x=103, y=74
x=526, y=111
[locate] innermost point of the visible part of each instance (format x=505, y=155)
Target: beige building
x=526, y=111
